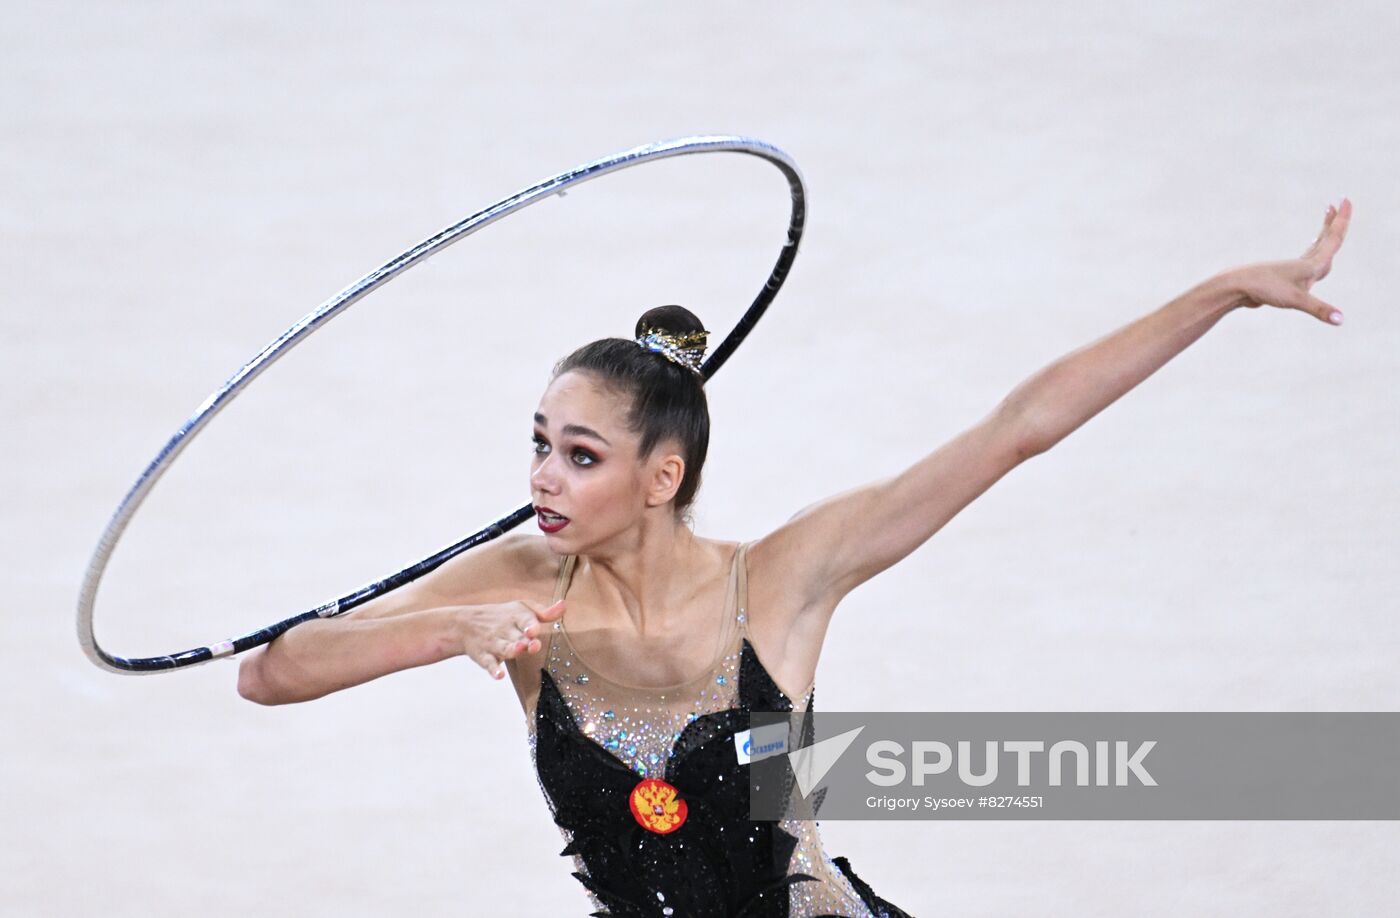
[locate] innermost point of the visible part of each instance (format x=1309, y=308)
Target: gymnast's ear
x=663, y=475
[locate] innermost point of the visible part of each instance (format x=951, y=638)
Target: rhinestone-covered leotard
x=607, y=755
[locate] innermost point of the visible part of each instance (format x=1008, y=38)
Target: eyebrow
x=576, y=429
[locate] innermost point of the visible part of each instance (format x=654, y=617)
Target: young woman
x=632, y=699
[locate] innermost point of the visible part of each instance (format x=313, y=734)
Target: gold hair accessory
x=687, y=349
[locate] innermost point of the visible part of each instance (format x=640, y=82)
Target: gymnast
x=631, y=684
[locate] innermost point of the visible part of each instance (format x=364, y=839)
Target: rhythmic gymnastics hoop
x=356, y=291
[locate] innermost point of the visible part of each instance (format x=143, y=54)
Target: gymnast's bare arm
x=828, y=549
x=466, y=606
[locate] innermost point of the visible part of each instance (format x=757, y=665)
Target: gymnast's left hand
x=1288, y=284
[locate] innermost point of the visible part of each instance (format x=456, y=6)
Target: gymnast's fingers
x=528, y=626
x=526, y=643
x=545, y=613
x=531, y=624
x=1297, y=297
x=1334, y=227
x=494, y=667
x=1326, y=222
x=1330, y=241
x=507, y=649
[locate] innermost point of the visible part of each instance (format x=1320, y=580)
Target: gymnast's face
x=585, y=468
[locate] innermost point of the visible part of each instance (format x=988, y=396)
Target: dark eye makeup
x=539, y=444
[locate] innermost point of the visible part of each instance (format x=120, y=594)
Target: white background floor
x=990, y=187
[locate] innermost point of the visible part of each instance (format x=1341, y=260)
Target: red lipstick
x=550, y=521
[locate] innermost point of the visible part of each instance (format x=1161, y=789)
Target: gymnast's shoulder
x=517, y=565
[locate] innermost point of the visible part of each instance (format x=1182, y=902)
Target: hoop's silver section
x=341, y=301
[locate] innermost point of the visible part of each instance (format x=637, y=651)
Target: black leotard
x=649, y=793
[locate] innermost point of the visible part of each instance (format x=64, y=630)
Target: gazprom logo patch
x=809, y=764
x=752, y=745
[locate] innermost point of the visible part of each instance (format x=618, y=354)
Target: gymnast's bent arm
x=322, y=656
x=833, y=546
x=425, y=621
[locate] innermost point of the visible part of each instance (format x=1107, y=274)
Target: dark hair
x=667, y=399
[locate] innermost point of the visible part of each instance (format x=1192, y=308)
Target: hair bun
x=675, y=333
x=671, y=319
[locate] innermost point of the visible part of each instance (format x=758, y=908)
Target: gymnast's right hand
x=499, y=631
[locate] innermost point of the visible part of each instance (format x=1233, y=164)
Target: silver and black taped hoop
x=315, y=319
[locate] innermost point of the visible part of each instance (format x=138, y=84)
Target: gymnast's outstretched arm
x=833, y=546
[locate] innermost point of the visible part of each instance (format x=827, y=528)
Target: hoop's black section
x=776, y=277
x=717, y=358
x=339, y=607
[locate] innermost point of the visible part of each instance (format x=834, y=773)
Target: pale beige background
x=990, y=186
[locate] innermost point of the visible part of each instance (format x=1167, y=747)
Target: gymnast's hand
x=1286, y=284
x=495, y=632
